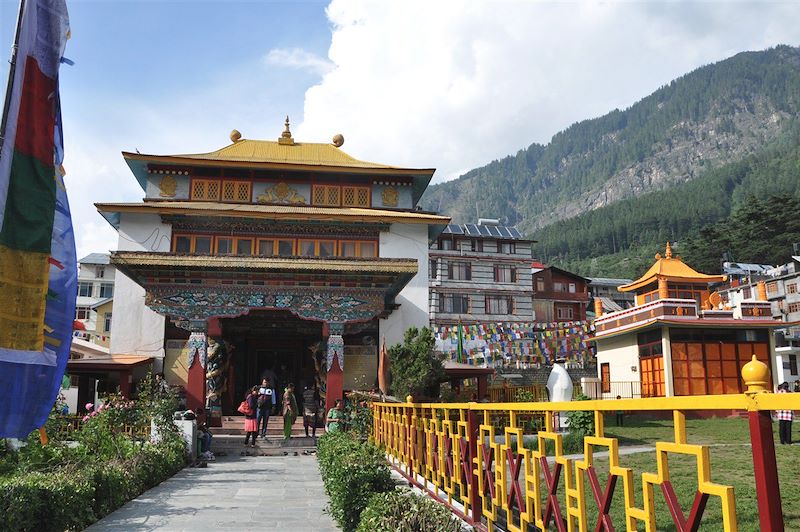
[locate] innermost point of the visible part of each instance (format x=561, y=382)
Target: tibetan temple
x=269, y=258
x=679, y=338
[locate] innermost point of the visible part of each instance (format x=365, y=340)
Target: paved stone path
x=232, y=493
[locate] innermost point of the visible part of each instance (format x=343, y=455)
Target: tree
x=415, y=369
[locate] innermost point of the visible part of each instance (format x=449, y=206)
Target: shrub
x=404, y=511
x=415, y=369
x=44, y=502
x=581, y=422
x=352, y=470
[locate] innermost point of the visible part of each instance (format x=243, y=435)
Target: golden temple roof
x=283, y=151
x=282, y=212
x=672, y=269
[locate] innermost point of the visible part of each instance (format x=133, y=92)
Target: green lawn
x=731, y=464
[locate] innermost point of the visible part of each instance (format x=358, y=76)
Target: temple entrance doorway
x=272, y=343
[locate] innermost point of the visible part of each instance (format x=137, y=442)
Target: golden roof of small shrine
x=672, y=269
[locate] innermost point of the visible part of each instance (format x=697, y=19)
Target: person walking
x=289, y=411
x=785, y=418
x=266, y=403
x=250, y=423
x=311, y=400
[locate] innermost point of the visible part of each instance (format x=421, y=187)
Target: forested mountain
x=616, y=187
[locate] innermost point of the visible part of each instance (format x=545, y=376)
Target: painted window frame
x=489, y=298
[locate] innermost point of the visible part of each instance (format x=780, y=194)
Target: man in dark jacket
x=311, y=400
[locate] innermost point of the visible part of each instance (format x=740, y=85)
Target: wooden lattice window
x=205, y=189
x=355, y=196
x=236, y=191
x=328, y=195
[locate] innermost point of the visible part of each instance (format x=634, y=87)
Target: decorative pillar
x=663, y=291
x=598, y=307
x=762, y=291
x=335, y=363
x=197, y=351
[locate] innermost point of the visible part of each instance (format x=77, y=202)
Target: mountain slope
x=702, y=123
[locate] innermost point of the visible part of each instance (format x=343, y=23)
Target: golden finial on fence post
x=756, y=376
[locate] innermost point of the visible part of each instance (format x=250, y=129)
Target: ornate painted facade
x=242, y=244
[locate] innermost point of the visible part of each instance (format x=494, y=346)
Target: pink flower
x=85, y=419
x=93, y=414
x=89, y=406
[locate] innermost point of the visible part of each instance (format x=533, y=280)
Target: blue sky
x=449, y=85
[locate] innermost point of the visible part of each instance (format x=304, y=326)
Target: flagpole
x=11, y=71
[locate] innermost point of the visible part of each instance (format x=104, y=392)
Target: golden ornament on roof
x=338, y=140
x=235, y=135
x=390, y=197
x=167, y=187
x=286, y=137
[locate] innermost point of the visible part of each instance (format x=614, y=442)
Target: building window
x=432, y=269
x=285, y=248
x=564, y=313
x=446, y=244
x=477, y=245
x=791, y=288
x=202, y=245
x=100, y=272
x=236, y=191
x=205, y=190
x=107, y=322
x=355, y=196
x=571, y=288
x=183, y=244
x=224, y=245
x=505, y=274
x=459, y=271
x=772, y=287
x=499, y=305
x=793, y=307
x=559, y=287
x=605, y=378
x=793, y=364
x=244, y=246
x=540, y=285
x=454, y=303
x=326, y=195
x=106, y=290
x=82, y=313
x=85, y=289
x=747, y=293
x=506, y=247
x=652, y=375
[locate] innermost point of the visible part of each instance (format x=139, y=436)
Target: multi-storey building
x=559, y=295
x=480, y=273
x=93, y=308
x=606, y=291
x=782, y=290
x=279, y=258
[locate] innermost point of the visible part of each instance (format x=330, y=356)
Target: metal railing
x=462, y=456
x=612, y=390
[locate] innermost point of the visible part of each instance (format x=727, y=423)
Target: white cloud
x=455, y=85
x=299, y=59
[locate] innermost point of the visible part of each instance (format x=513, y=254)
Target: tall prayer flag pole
x=38, y=270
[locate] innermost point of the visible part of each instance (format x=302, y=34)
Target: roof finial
x=286, y=136
x=668, y=251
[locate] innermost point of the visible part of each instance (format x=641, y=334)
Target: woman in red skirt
x=250, y=422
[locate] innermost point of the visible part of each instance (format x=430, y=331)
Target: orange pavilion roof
x=672, y=269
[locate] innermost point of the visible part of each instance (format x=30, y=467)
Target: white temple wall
x=621, y=353
x=407, y=241
x=135, y=329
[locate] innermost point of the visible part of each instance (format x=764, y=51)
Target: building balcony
x=581, y=297
x=623, y=319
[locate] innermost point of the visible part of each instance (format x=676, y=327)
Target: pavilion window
x=183, y=244
x=348, y=249
x=236, y=191
x=368, y=250
x=285, y=248
x=327, y=195
x=224, y=246
x=305, y=248
x=266, y=248
x=355, y=196
x=326, y=248
x=202, y=245
x=244, y=246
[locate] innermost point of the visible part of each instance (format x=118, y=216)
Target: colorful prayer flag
x=38, y=270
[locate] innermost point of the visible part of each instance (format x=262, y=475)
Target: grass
x=731, y=464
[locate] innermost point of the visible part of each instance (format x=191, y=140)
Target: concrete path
x=232, y=493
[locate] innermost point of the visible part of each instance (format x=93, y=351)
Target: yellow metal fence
x=463, y=456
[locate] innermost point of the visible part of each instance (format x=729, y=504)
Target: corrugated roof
x=283, y=212
x=607, y=281
x=379, y=265
x=96, y=258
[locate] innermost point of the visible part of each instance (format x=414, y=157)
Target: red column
x=473, y=433
x=770, y=514
x=335, y=352
x=196, y=385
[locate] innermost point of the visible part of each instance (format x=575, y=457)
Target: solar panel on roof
x=504, y=232
x=496, y=231
x=455, y=229
x=514, y=232
x=472, y=229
